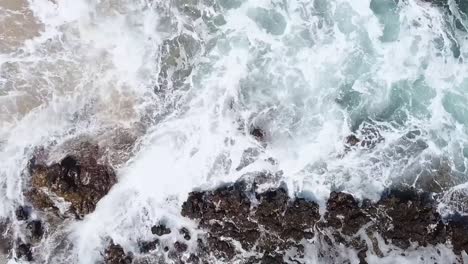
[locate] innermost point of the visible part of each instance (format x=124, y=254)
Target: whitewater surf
x=233, y=131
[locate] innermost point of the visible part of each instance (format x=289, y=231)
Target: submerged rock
x=258, y=133
x=35, y=229
x=269, y=20
x=368, y=137
x=78, y=179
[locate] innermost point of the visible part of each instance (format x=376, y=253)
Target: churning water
x=188, y=80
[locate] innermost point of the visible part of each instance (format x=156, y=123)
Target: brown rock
x=410, y=216
x=345, y=214
x=115, y=254
x=78, y=179
x=228, y=215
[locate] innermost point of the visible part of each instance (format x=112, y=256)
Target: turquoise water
x=192, y=79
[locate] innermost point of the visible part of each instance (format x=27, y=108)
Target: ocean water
x=190, y=79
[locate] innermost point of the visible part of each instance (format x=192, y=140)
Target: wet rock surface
x=59, y=190
x=23, y=252
x=243, y=222
x=77, y=179
x=411, y=217
x=268, y=223
x=276, y=228
x=366, y=137
x=160, y=230
x=6, y=242
x=22, y=213
x=114, y=254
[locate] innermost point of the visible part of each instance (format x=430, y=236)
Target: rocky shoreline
x=253, y=220
x=244, y=225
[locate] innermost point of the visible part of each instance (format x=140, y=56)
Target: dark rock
x=78, y=179
x=194, y=259
x=221, y=249
x=271, y=208
x=229, y=215
x=367, y=137
x=437, y=2
x=414, y=218
x=270, y=223
x=23, y=251
x=6, y=243
x=180, y=247
x=258, y=134
x=115, y=254
x=185, y=232
x=22, y=212
x=352, y=140
x=160, y=230
x=458, y=230
x=438, y=177
x=35, y=229
x=266, y=259
x=147, y=246
x=344, y=213
x=272, y=259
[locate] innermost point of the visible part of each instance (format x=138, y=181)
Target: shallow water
x=190, y=79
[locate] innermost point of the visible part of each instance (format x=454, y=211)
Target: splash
x=192, y=80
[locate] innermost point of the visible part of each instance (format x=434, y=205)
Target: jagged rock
x=5, y=238
x=274, y=225
x=35, y=229
x=352, y=140
x=160, y=230
x=23, y=251
x=438, y=178
x=267, y=259
x=258, y=134
x=78, y=179
x=180, y=247
x=193, y=259
x=437, y=2
x=367, y=137
x=22, y=213
x=115, y=254
x=186, y=233
x=147, y=246
x=410, y=216
x=345, y=214
x=270, y=225
x=458, y=230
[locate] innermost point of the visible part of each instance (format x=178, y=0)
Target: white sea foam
x=308, y=73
